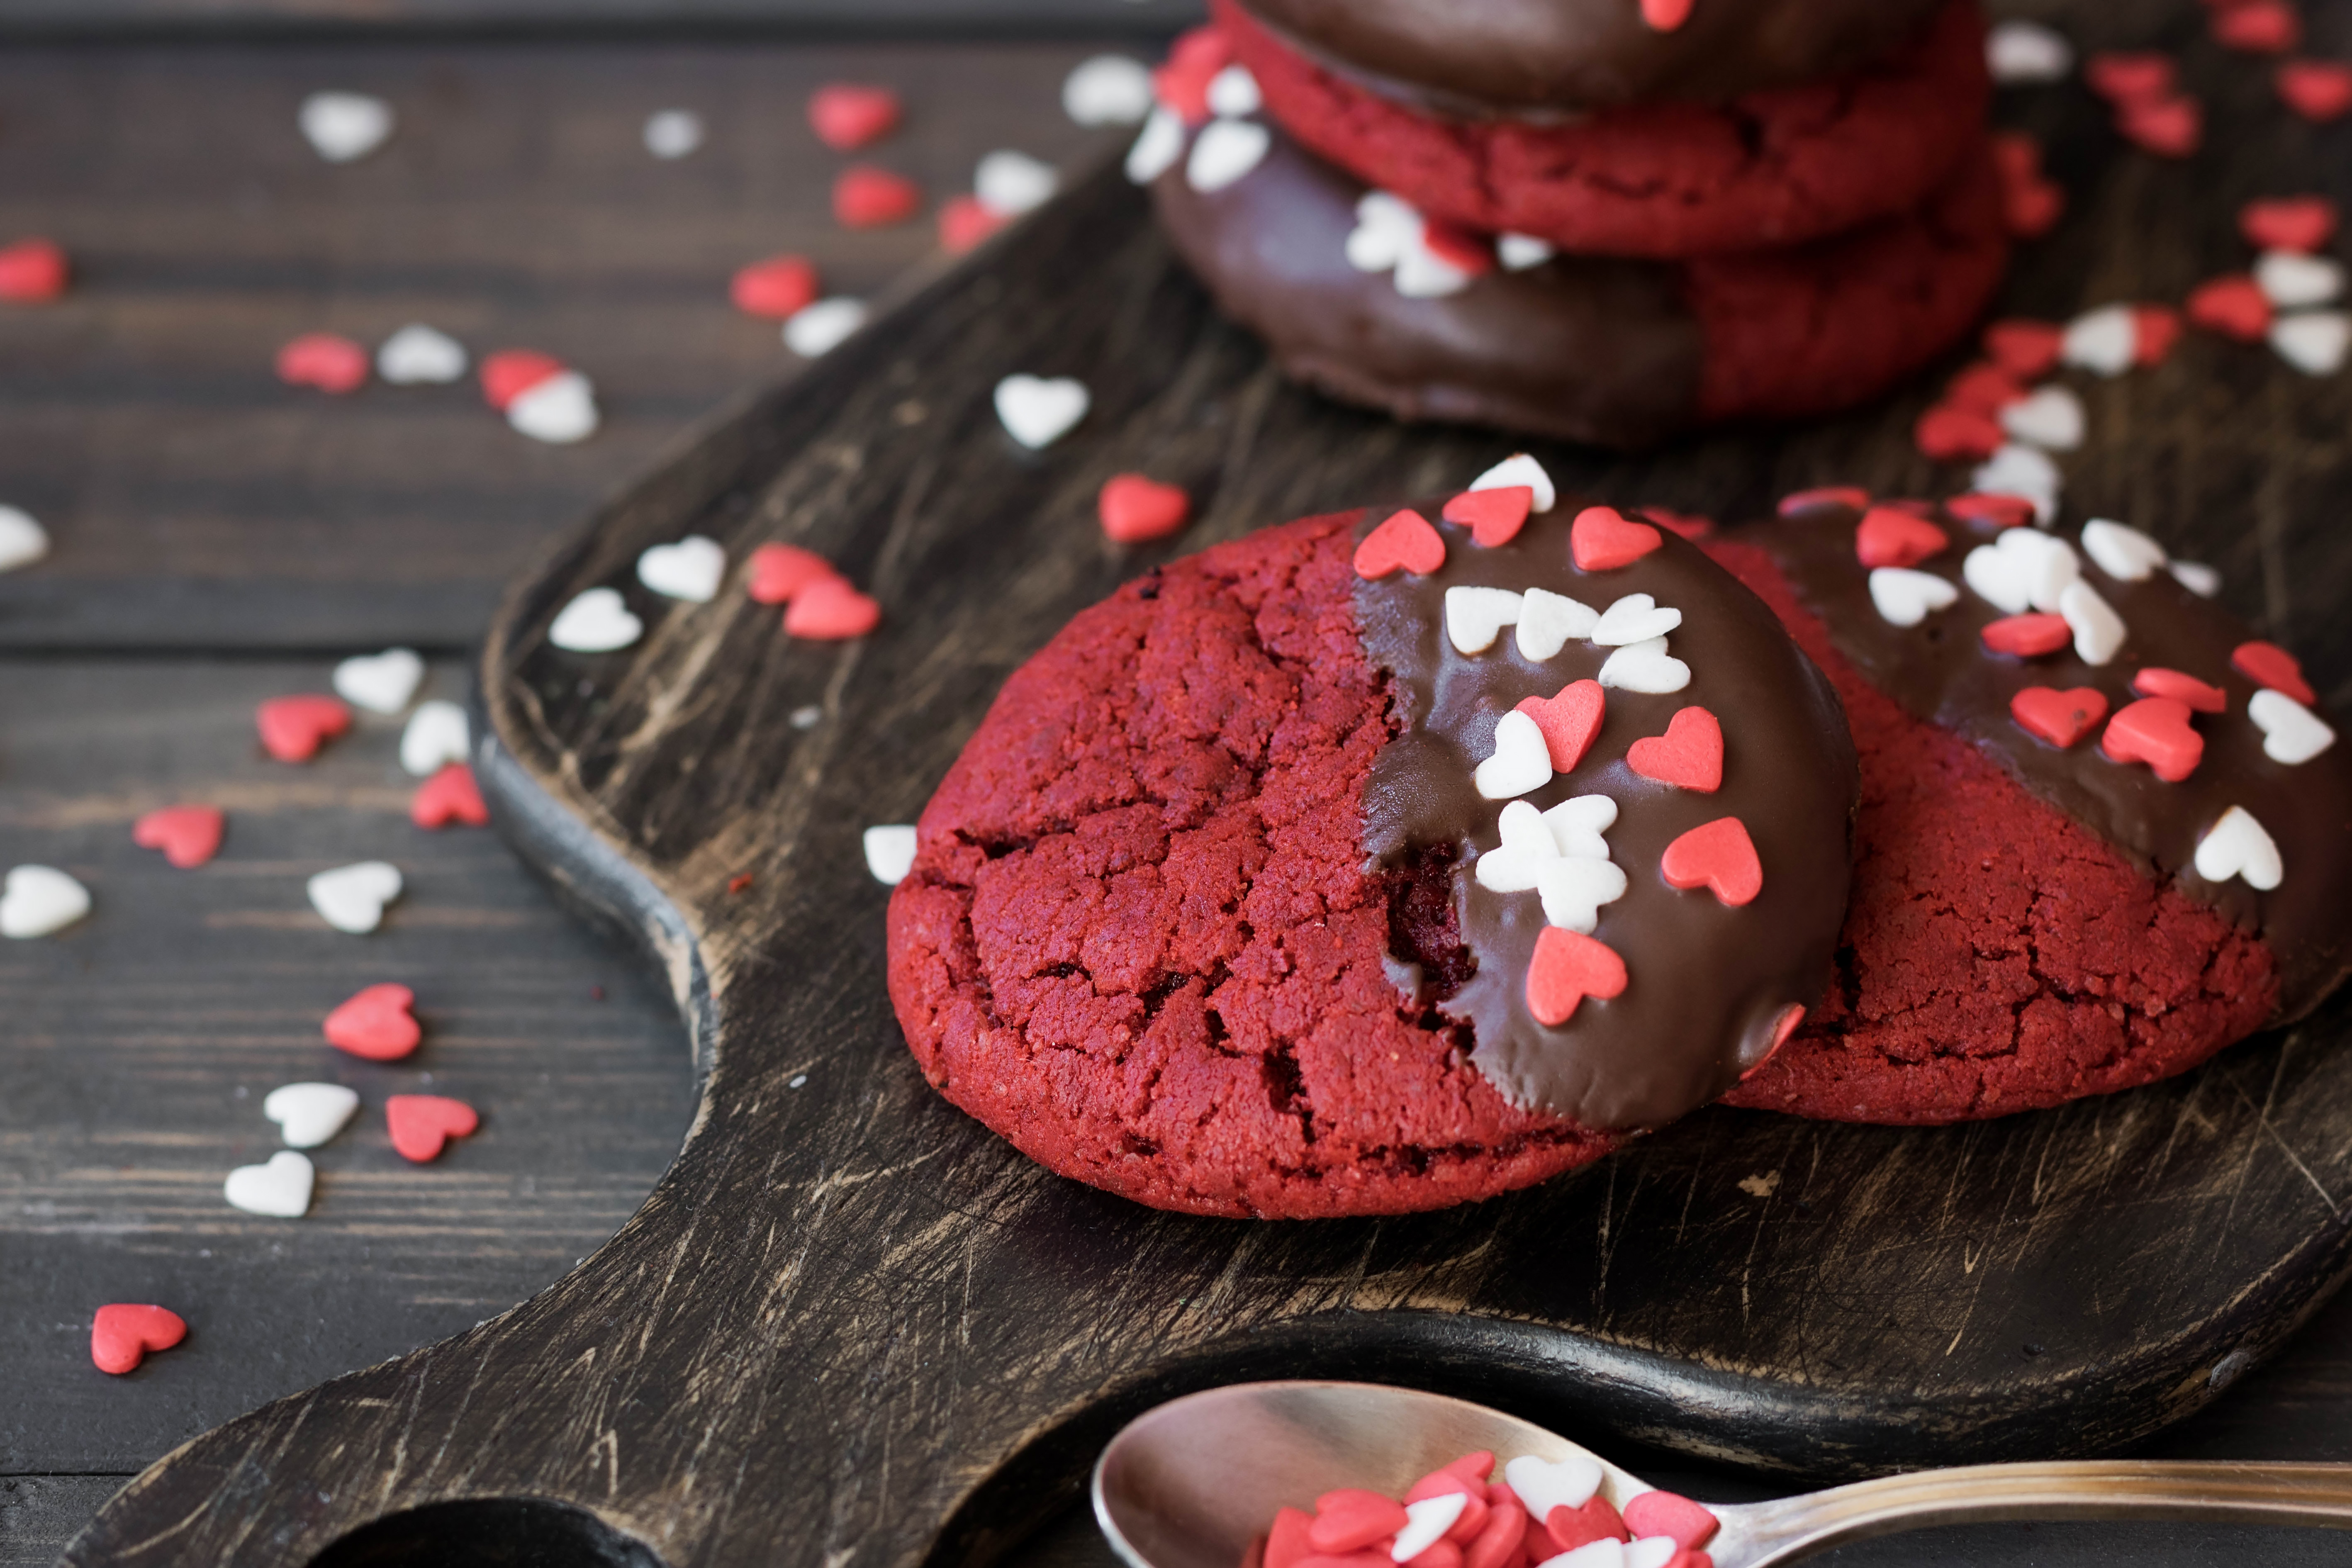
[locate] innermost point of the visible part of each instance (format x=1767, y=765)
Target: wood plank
x=39, y=1514
x=793, y=18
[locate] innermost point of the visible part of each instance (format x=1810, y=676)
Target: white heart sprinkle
x=814, y=331
x=1517, y=252
x=1636, y=617
x=1387, y=226
x=1422, y=274
x=380, y=682
x=2024, y=54
x=1905, y=597
x=689, y=570
x=352, y=898
x=1543, y=1485
x=281, y=1189
x=1521, y=761
x=596, y=622
x=1644, y=667
x=1475, y=617
x=436, y=736
x=1009, y=184
x=1157, y=148
x=2291, y=733
x=890, y=852
x=1527, y=844
x=1223, y=152
x=2196, y=577
x=1233, y=92
x=307, y=1114
x=346, y=125
x=2122, y=552
x=673, y=132
x=22, y=541
x=1038, y=411
x=1109, y=89
x=559, y=411
x=2027, y=472
x=1578, y=823
x=2314, y=342
x=1574, y=887
x=1547, y=620
x=1606, y=1552
x=1518, y=468
x=2024, y=570
x=38, y=899
x=1427, y=1520
x=419, y=356
x=1652, y=1552
x=2236, y=846
x=2291, y=279
x=2051, y=417
x=2098, y=630
x=2105, y=339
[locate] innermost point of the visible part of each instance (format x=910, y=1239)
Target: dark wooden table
x=220, y=538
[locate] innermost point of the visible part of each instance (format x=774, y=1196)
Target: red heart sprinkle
x=123, y=1333
x=1664, y=1514
x=965, y=221
x=830, y=610
x=780, y=571
x=2155, y=731
x=2122, y=78
x=2061, y=718
x=2288, y=223
x=422, y=1123
x=1408, y=539
x=1499, y=1542
x=2155, y=681
x=1797, y=502
x=322, y=360
x=2030, y=203
x=1458, y=247
x=1351, y=1518
x=1570, y=1528
x=2234, y=306
x=1984, y=387
x=866, y=197
x=2316, y=90
x=2257, y=27
x=376, y=1024
x=2027, y=636
x=1989, y=507
x=2155, y=329
x=509, y=373
x=1569, y=720
x=1717, y=856
x=1568, y=967
x=1134, y=509
x=1946, y=434
x=778, y=286
x=32, y=272
x=1601, y=539
x=2267, y=664
x=2027, y=350
x=1687, y=524
x=1665, y=16
x=187, y=835
x=846, y=117
x=1889, y=537
x=1285, y=1540
x=1193, y=60
x=2168, y=127
x=1689, y=756
x=1494, y=517
x=449, y=796
x=294, y=728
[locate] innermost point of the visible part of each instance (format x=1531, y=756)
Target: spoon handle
x=1762, y=1535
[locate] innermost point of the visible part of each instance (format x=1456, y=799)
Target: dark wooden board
x=790, y=18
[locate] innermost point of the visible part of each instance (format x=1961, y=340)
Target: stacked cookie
x=1607, y=220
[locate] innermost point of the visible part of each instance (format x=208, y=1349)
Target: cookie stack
x=1606, y=220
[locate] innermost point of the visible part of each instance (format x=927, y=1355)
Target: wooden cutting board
x=851, y=1326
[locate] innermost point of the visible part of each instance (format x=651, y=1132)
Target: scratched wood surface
x=850, y=1324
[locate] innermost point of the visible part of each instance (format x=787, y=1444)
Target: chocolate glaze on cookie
x=1708, y=984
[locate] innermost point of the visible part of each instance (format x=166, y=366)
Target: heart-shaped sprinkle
x=1886, y=537
x=2237, y=845
x=1636, y=617
x=1108, y=89
x=280, y=1189
x=1407, y=540
x=33, y=272
x=123, y=1333
x=2050, y=418
x=965, y=223
x=1475, y=617
x=2256, y=27
x=1574, y=887
x=1592, y=1536
x=1717, y=856
x=822, y=327
x=294, y=728
x=2032, y=202
x=1983, y=386
x=890, y=852
x=2028, y=635
x=1427, y=1522
x=1157, y=147
x=1655, y=1513
x=436, y=734
x=689, y=569
x=2313, y=342
x=1494, y=516
x=1351, y=1518
x=2155, y=731
x=422, y=1124
x=377, y=1023
x=1038, y=411
x=1947, y=433
x=307, y=1114
x=187, y=835
x=1569, y=966
x=2168, y=127
x=779, y=288
x=2291, y=733
x=596, y=622
x=846, y=116
x=1665, y=16
x=331, y=363
x=1009, y=184
x=22, y=540
x=673, y=133
x=2061, y=718
x=37, y=901
x=560, y=411
x=830, y=610
x=1601, y=539
x=1569, y=720
x=2200, y=696
x=2123, y=553
x=2099, y=631
x=449, y=796
x=380, y=682
x=2155, y=329
x=2122, y=76
x=2292, y=281
x=1224, y=151
x=352, y=898
x=1520, y=468
x=2024, y=570
x=1796, y=503
x=1644, y=667
x=1519, y=252
x=1689, y=756
x=2287, y=223
x=1905, y=597
x=2104, y=341
x=1135, y=509
x=866, y=197
x=1387, y=228
x=1521, y=758
x=2267, y=664
x=2196, y=577
x=1543, y=1484
x=780, y=571
x=509, y=373
x=1533, y=840
x=1578, y=824
x=2018, y=469
x=344, y=126
x=1526, y=846
x=1547, y=620
x=417, y=355
x=2319, y=90
x=1997, y=511
x=2026, y=349
x=2027, y=54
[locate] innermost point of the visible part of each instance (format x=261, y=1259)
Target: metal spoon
x=1190, y=1483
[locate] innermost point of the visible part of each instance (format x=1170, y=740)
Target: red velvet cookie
x=1337, y=871
x=1773, y=168
x=2093, y=848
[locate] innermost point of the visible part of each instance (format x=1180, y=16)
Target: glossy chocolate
x=1706, y=983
